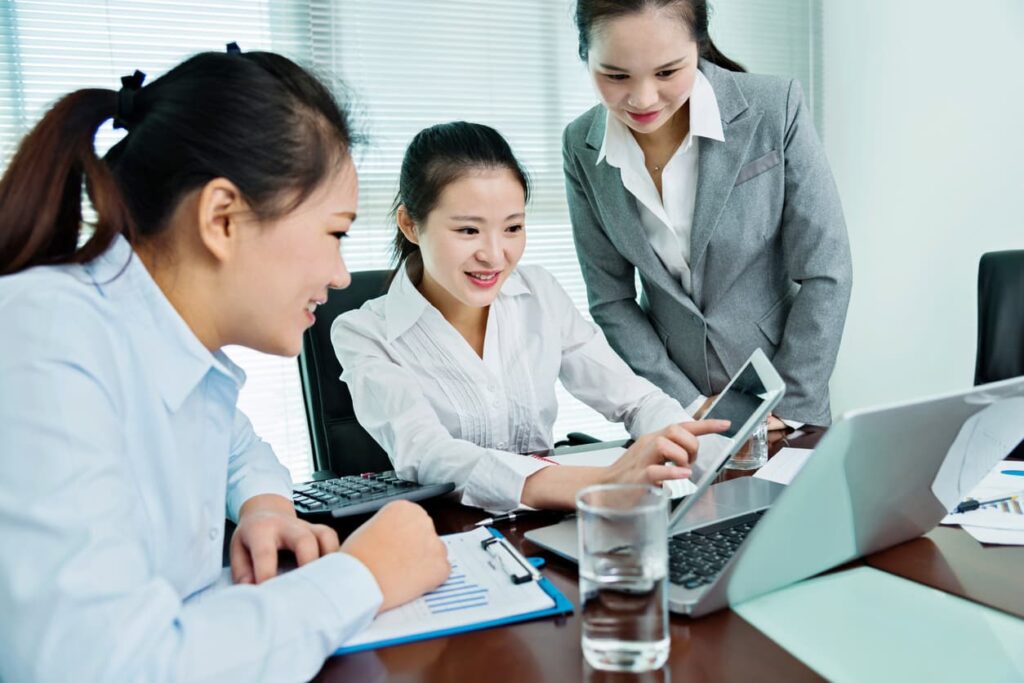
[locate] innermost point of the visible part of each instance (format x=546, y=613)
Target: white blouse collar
x=404, y=305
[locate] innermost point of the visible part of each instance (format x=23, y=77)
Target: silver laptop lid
x=870, y=484
x=746, y=401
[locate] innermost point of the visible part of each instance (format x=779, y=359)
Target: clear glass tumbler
x=754, y=453
x=623, y=551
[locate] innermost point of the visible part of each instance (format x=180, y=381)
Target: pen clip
x=521, y=570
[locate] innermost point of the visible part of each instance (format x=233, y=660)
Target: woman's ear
x=406, y=224
x=219, y=209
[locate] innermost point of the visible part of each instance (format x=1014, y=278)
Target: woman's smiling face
x=472, y=240
x=643, y=66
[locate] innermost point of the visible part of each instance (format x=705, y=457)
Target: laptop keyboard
x=695, y=557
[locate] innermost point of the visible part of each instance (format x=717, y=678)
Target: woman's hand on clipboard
x=402, y=550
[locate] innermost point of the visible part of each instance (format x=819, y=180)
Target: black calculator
x=359, y=494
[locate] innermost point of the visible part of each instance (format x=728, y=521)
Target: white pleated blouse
x=443, y=413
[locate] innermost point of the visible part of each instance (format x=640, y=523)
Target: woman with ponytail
x=711, y=184
x=453, y=371
x=219, y=219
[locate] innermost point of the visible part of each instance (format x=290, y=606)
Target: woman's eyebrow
x=666, y=65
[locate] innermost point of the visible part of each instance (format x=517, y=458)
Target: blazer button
x=213, y=533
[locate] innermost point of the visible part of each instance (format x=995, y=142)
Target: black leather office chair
x=340, y=445
x=1000, y=319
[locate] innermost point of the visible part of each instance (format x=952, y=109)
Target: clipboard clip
x=517, y=567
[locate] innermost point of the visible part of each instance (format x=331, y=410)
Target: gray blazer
x=769, y=256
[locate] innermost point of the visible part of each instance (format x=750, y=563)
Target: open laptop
x=727, y=509
x=870, y=484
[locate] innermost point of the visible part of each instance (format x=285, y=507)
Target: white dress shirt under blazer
x=121, y=451
x=666, y=218
x=443, y=413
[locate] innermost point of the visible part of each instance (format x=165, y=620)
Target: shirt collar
x=705, y=121
x=404, y=305
x=177, y=359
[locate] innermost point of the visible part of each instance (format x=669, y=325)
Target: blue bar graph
x=455, y=594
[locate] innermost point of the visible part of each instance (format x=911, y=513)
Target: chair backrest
x=1000, y=316
x=340, y=444
x=1001, y=320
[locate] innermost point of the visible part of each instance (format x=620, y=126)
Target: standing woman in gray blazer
x=712, y=185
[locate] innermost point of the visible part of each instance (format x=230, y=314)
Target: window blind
x=409, y=64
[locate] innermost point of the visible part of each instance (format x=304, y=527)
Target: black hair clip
x=233, y=49
x=126, y=99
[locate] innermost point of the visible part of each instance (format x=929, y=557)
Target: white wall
x=924, y=127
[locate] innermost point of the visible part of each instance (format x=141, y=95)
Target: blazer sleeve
x=611, y=293
x=816, y=251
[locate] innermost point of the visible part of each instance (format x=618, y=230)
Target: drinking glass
x=623, y=551
x=754, y=453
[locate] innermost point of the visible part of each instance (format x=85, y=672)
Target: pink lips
x=643, y=118
x=483, y=284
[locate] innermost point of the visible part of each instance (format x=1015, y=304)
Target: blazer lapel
x=619, y=212
x=718, y=165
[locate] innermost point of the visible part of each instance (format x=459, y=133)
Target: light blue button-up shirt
x=121, y=452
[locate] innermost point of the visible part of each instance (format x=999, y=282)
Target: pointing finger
x=701, y=427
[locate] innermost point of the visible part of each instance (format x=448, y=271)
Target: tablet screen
x=740, y=400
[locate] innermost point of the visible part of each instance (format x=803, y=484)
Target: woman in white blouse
x=453, y=371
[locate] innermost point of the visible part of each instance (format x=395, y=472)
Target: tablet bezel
x=775, y=387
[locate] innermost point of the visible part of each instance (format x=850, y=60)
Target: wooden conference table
x=718, y=647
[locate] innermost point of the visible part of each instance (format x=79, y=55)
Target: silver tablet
x=745, y=401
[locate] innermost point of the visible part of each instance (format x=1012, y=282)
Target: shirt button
x=501, y=445
x=213, y=533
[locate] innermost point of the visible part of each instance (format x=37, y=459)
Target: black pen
x=972, y=504
x=507, y=517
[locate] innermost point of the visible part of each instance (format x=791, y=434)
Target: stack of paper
x=1001, y=523
x=784, y=465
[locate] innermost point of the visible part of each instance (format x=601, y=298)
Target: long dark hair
x=256, y=118
x=694, y=13
x=437, y=157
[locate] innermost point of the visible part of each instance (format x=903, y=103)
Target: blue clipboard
x=562, y=606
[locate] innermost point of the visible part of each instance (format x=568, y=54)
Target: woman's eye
x=514, y=228
x=466, y=231
x=616, y=77
x=340, y=234
x=667, y=73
